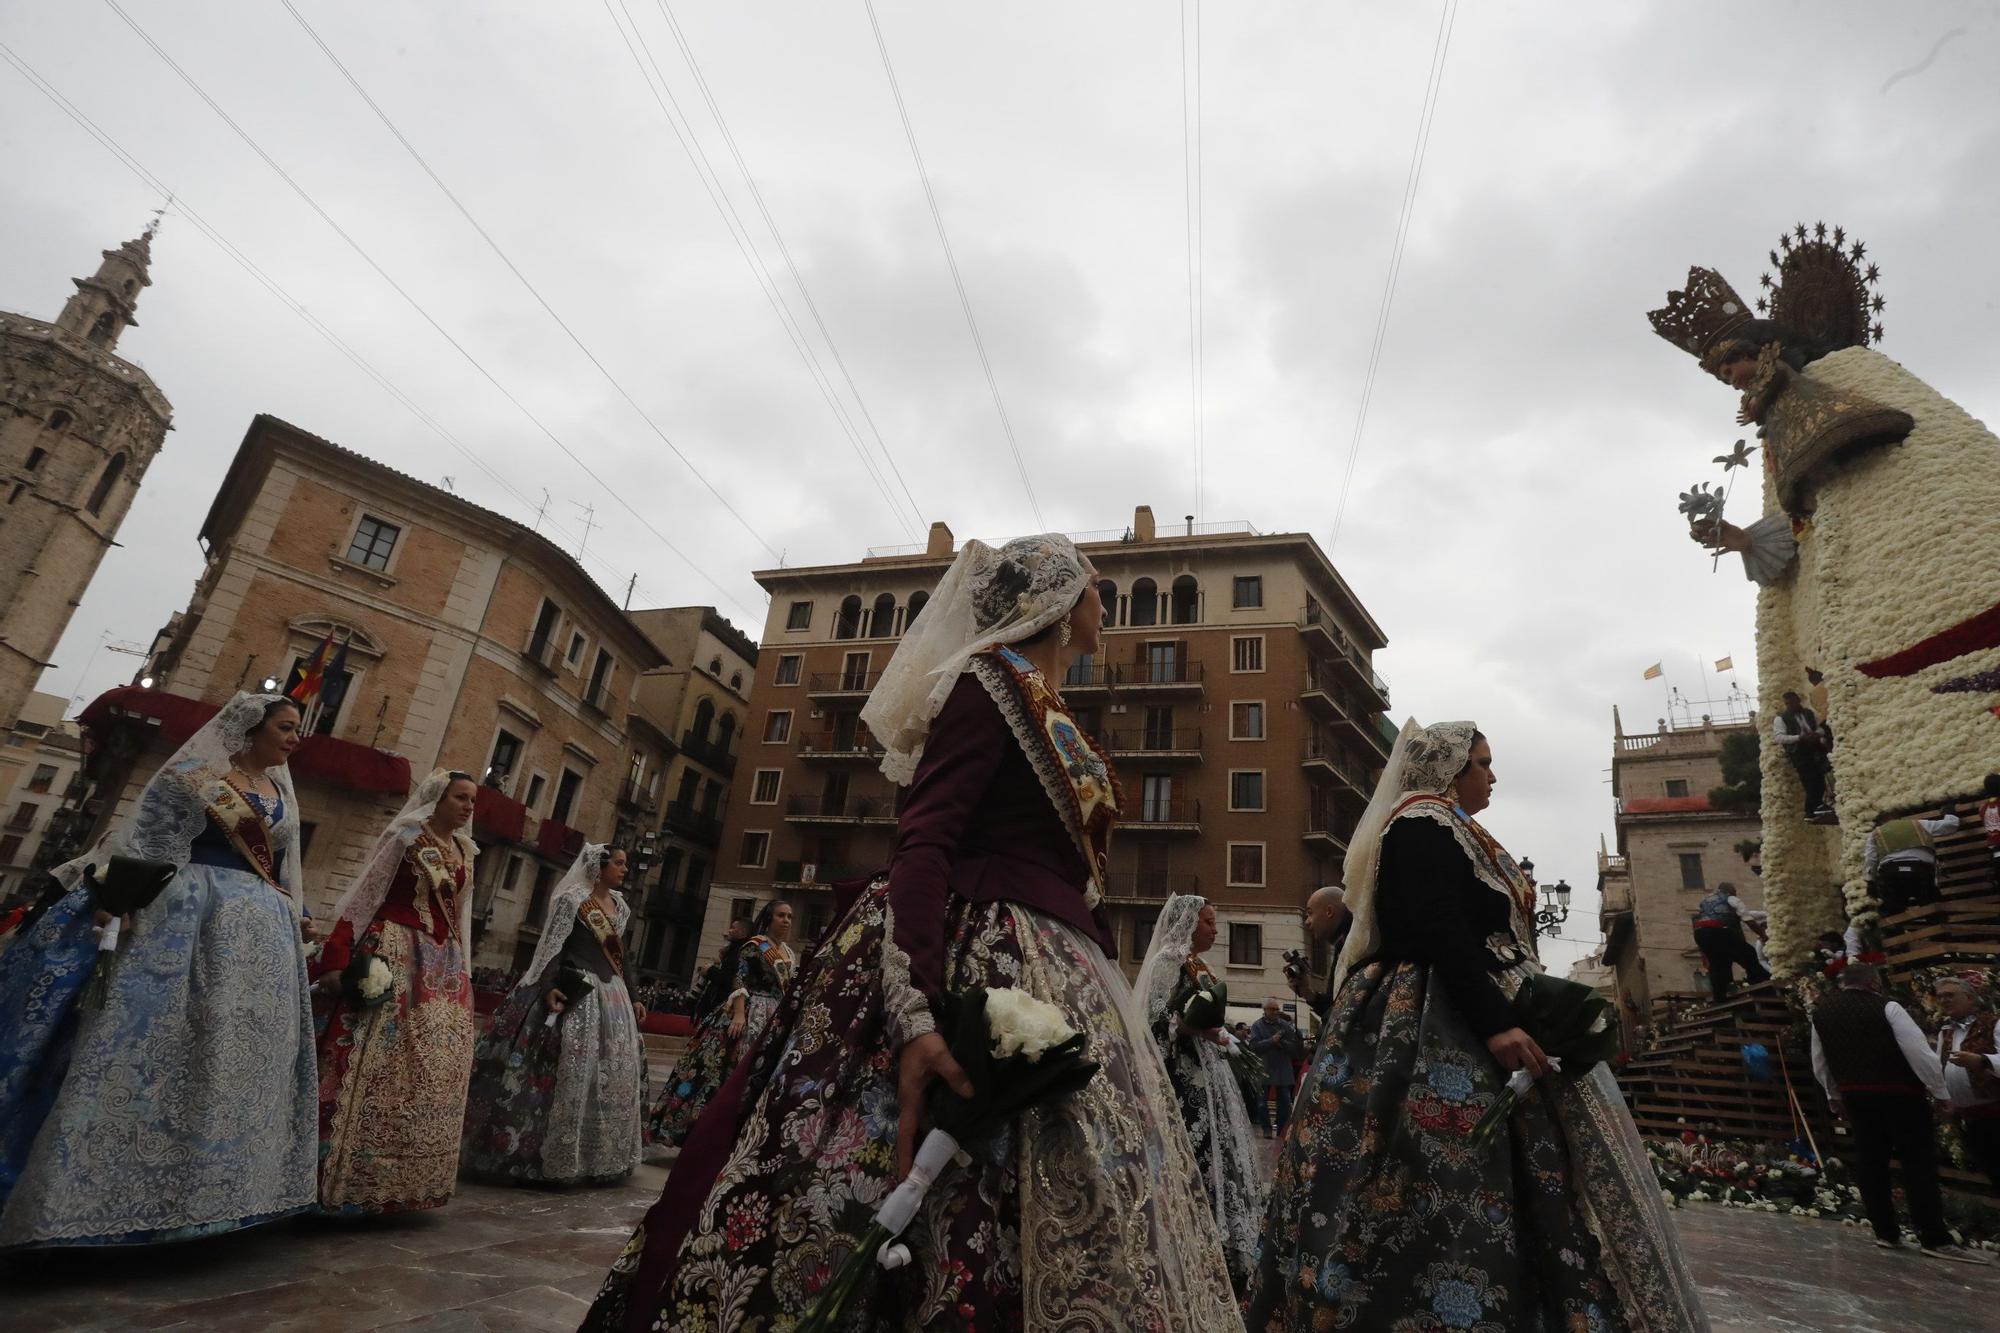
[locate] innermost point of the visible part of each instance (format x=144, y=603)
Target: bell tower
x=79, y=425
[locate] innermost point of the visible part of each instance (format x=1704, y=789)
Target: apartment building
x=1235, y=691
x=37, y=766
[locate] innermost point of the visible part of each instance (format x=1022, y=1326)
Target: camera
x=1295, y=963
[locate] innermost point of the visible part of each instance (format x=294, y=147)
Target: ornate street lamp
x=1554, y=912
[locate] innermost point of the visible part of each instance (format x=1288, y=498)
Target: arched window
x=882, y=624
x=918, y=601
x=1107, y=592
x=715, y=666
x=704, y=718
x=727, y=732
x=102, y=492
x=736, y=681
x=104, y=328
x=35, y=457
x=60, y=420
x=1184, y=606
x=1145, y=603
x=847, y=625
x=130, y=286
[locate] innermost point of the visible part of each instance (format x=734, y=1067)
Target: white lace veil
x=364, y=897
x=1173, y=938
x=1424, y=759
x=575, y=885
x=988, y=596
x=170, y=814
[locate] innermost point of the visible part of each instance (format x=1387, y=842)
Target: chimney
x=1142, y=523
x=940, y=542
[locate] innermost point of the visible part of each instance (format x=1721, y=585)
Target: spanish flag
x=303, y=686
x=1655, y=671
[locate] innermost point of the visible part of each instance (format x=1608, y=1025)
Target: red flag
x=304, y=685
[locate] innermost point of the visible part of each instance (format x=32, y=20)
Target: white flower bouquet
x=1020, y=1053
x=366, y=980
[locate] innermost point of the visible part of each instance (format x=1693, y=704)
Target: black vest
x=1860, y=1046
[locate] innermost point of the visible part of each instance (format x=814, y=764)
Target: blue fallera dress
x=187, y=1105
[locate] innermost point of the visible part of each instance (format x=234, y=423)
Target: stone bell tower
x=79, y=425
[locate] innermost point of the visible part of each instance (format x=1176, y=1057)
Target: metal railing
x=845, y=807
x=685, y=819
x=1179, y=740
x=1151, y=885
x=826, y=743
x=1180, y=810
x=1142, y=675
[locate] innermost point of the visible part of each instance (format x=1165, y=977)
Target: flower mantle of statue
x=1874, y=558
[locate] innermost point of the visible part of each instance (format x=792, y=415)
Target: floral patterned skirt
x=392, y=1080
x=705, y=1065
x=1086, y=1216
x=561, y=1104
x=1382, y=1218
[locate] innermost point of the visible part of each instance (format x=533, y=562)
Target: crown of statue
x=1822, y=289
x=1699, y=318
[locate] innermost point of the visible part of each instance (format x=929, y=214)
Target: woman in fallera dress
x=1381, y=1215
x=393, y=1073
x=559, y=1086
x=764, y=967
x=1197, y=1055
x=184, y=1107
x=1086, y=1215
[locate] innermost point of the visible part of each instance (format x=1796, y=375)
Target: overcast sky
x=1512, y=520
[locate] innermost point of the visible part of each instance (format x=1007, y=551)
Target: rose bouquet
x=1020, y=1053
x=127, y=885
x=366, y=980
x=1573, y=1025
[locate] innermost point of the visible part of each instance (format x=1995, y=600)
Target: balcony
x=1366, y=728
x=851, y=809
x=1179, y=744
x=1087, y=681
x=1323, y=834
x=1356, y=668
x=1321, y=635
x=540, y=654
x=842, y=684
x=1176, y=677
x=1173, y=816
x=694, y=825
x=713, y=753
x=678, y=906
x=1320, y=762
x=633, y=797
x=826, y=747
x=1318, y=696
x=1149, y=886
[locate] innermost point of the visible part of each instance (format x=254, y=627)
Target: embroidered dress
x=1381, y=1217
x=184, y=1107
x=1084, y=1216
x=763, y=969
x=561, y=1104
x=393, y=1076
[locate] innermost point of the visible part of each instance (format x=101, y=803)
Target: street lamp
x=1550, y=917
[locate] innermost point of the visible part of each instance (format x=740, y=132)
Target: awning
x=498, y=816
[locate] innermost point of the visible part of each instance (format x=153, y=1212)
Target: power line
x=705, y=172
x=494, y=245
x=231, y=251
x=957, y=280
x=413, y=303
x=1191, y=199
x=1440, y=49
x=757, y=195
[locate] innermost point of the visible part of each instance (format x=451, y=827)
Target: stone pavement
x=518, y=1260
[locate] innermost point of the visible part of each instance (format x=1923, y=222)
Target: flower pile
x=1881, y=566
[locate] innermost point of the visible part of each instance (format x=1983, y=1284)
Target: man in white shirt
x=1797, y=731
x=1882, y=1077
x=1968, y=1049
x=1900, y=860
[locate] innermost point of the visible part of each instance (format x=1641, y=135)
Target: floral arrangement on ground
x=1783, y=1179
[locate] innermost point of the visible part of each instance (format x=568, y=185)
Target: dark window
x=1157, y=798
x=789, y=668
x=600, y=680
x=778, y=726
x=1159, y=728
x=538, y=902
x=1142, y=935
x=725, y=733
x=1246, y=863
x=1691, y=876
x=15, y=494
x=882, y=624
x=568, y=787
x=545, y=631
x=847, y=625
x=1163, y=663
x=373, y=541
x=690, y=787
x=1107, y=593
x=1184, y=601
x=854, y=672
x=711, y=797
x=800, y=616
x=59, y=420
x=736, y=680
x=1248, y=592
x=670, y=869
x=765, y=792
x=536, y=786
x=918, y=601
x=333, y=692
x=506, y=754
x=1246, y=791
x=704, y=718
x=45, y=777
x=756, y=848
x=112, y=472
x=575, y=653
x=105, y=328
x=1246, y=721
x=816, y=922
x=35, y=457
x=1677, y=786
x=1145, y=605
x=743, y=909
x=10, y=847
x=1246, y=654
x=24, y=816
x=1246, y=944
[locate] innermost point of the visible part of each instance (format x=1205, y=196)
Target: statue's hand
x=1717, y=535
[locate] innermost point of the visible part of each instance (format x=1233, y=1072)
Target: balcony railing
x=1149, y=885
x=540, y=652
x=1159, y=675
x=598, y=699
x=1323, y=829
x=827, y=745
x=697, y=825
x=1181, y=741
x=843, y=683
x=1318, y=629
x=20, y=823
x=706, y=750
x=1178, y=815
x=849, y=809
x=1087, y=679
x=637, y=797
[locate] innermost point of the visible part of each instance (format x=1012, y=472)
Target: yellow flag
x=1725, y=664
x=1654, y=672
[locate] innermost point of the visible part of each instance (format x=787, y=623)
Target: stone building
x=41, y=759
x=698, y=702
x=1674, y=846
x=1234, y=690
x=79, y=426
x=471, y=643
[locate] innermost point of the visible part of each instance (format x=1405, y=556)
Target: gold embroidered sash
x=1078, y=778
x=606, y=934
x=242, y=823
x=439, y=883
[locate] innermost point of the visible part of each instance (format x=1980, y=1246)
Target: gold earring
x=1063, y=634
